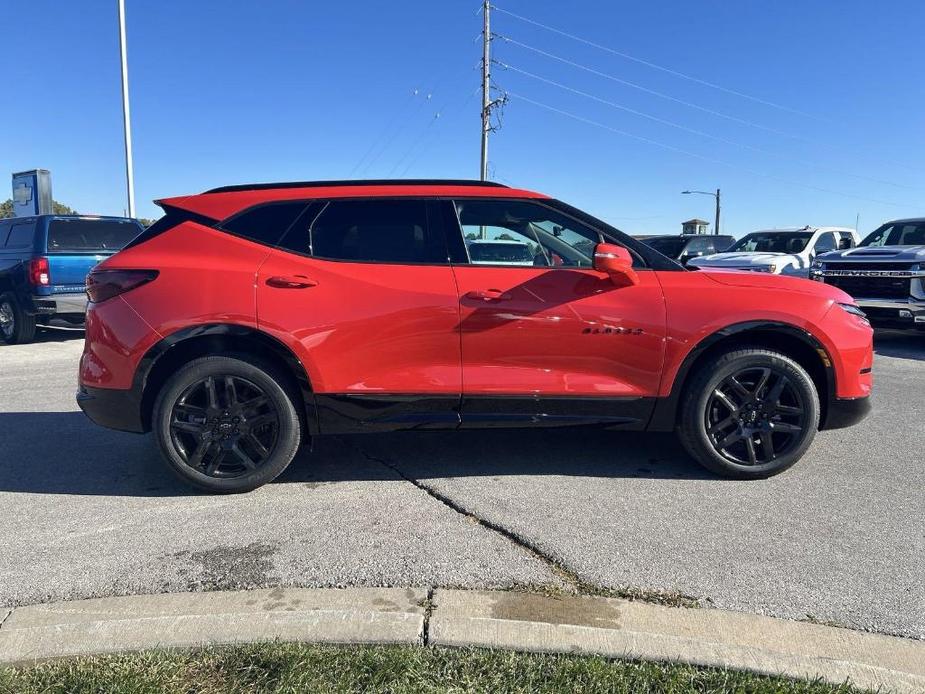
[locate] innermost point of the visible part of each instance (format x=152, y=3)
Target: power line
x=392, y=122
x=397, y=131
x=679, y=150
x=656, y=66
x=695, y=131
x=424, y=142
x=653, y=92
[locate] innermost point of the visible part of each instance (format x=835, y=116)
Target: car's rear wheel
x=227, y=425
x=749, y=413
x=16, y=326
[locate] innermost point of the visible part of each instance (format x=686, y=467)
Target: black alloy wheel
x=224, y=426
x=228, y=424
x=755, y=416
x=748, y=413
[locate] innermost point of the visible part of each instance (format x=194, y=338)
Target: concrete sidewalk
x=511, y=620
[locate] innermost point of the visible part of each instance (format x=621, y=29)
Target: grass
x=290, y=667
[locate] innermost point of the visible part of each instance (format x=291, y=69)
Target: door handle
x=487, y=295
x=290, y=282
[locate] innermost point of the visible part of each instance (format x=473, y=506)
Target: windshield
x=670, y=247
x=772, y=242
x=83, y=235
x=897, y=234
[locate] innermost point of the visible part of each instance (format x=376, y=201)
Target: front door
x=364, y=289
x=546, y=339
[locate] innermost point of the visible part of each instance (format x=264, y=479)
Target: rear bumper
x=846, y=412
x=112, y=408
x=53, y=304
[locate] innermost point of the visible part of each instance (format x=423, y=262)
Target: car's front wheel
x=749, y=413
x=226, y=425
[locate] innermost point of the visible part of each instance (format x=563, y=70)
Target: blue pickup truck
x=43, y=263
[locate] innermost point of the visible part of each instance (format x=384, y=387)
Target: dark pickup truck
x=885, y=274
x=43, y=263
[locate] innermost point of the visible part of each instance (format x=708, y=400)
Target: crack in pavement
x=573, y=583
x=6, y=616
x=428, y=611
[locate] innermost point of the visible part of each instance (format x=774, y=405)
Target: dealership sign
x=32, y=193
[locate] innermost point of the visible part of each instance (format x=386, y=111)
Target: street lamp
x=126, y=116
x=715, y=195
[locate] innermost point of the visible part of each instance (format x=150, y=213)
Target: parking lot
x=841, y=537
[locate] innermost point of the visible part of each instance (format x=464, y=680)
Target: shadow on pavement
x=65, y=453
x=900, y=344
x=60, y=332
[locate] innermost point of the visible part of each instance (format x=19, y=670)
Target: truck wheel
x=226, y=425
x=749, y=414
x=16, y=326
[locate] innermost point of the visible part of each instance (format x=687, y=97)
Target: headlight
x=855, y=310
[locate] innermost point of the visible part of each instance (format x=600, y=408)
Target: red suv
x=250, y=318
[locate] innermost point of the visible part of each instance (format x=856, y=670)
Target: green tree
x=6, y=208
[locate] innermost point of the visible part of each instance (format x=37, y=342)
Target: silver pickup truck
x=885, y=274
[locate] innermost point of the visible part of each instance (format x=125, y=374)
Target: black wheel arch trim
x=664, y=416
x=279, y=350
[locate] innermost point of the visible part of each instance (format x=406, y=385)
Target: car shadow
x=65, y=453
x=900, y=344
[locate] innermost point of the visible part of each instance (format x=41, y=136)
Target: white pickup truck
x=780, y=251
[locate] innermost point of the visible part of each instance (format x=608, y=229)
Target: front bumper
x=112, y=408
x=903, y=314
x=846, y=412
x=54, y=304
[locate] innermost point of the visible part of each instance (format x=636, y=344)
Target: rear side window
x=265, y=224
x=20, y=235
x=89, y=235
x=378, y=231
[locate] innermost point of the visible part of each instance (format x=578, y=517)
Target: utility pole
x=716, y=224
x=126, y=116
x=486, y=87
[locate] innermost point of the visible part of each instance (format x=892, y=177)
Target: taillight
x=39, y=274
x=105, y=284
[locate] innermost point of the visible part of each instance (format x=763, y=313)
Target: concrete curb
x=491, y=619
x=106, y=625
x=709, y=637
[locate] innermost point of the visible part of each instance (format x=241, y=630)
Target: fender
x=250, y=339
x=664, y=416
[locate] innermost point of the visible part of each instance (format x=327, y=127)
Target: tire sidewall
x=23, y=324
x=288, y=437
x=695, y=413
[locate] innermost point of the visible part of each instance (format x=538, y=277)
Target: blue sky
x=238, y=91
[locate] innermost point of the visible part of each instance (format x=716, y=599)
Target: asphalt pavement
x=86, y=512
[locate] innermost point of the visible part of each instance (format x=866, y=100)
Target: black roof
x=356, y=182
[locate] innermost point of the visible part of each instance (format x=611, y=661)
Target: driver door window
x=514, y=232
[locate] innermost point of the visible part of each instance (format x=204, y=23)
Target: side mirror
x=845, y=243
x=617, y=262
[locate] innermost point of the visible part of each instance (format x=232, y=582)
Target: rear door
x=363, y=292
x=553, y=341
x=75, y=245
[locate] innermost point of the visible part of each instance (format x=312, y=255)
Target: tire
x=749, y=414
x=16, y=326
x=223, y=441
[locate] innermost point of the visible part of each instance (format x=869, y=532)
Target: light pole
x=126, y=116
x=715, y=195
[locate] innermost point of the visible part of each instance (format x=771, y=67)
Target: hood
x=763, y=280
x=740, y=259
x=880, y=254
